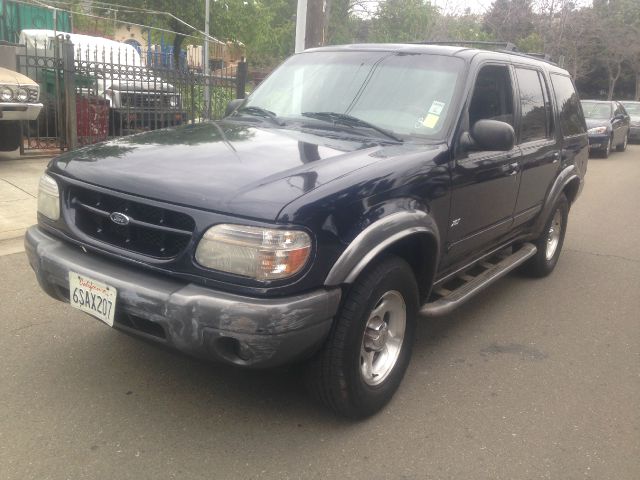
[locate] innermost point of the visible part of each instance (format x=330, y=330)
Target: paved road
x=533, y=379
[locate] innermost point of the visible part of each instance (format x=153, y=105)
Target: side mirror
x=232, y=105
x=490, y=135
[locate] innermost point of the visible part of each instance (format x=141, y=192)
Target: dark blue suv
x=358, y=189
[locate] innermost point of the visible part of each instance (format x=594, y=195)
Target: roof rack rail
x=543, y=57
x=506, y=45
x=540, y=55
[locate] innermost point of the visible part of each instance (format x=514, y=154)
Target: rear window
x=533, y=113
x=597, y=110
x=571, y=118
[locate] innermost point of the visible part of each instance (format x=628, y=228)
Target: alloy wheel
x=553, y=236
x=383, y=337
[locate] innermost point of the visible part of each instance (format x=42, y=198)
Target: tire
x=607, y=149
x=356, y=374
x=623, y=146
x=546, y=258
x=9, y=136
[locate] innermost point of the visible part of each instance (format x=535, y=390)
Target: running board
x=444, y=301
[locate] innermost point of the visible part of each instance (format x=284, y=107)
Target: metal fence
x=90, y=94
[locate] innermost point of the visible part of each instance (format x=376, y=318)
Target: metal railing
x=98, y=93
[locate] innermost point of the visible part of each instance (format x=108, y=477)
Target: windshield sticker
x=430, y=120
x=436, y=107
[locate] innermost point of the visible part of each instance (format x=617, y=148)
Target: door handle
x=511, y=169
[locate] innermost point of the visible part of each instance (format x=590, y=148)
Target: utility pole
x=301, y=25
x=315, y=24
x=309, y=24
x=205, y=62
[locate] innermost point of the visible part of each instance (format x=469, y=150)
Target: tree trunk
x=177, y=46
x=613, y=79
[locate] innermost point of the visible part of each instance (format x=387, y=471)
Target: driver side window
x=492, y=96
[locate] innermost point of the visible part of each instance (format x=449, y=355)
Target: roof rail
x=543, y=57
x=508, y=46
x=540, y=55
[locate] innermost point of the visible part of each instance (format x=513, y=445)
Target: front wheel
x=607, y=149
x=367, y=353
x=623, y=146
x=9, y=136
x=550, y=242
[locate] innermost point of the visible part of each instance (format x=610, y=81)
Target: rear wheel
x=367, y=353
x=550, y=242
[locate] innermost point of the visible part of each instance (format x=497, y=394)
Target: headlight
x=255, y=252
x=597, y=130
x=22, y=95
x=48, y=198
x=6, y=94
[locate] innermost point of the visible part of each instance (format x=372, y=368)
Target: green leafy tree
x=404, y=21
x=618, y=29
x=510, y=20
x=465, y=27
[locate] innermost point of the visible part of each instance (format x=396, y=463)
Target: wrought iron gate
x=93, y=94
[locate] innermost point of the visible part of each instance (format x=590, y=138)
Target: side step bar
x=448, y=300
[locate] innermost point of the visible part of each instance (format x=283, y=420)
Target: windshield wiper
x=261, y=112
x=351, y=121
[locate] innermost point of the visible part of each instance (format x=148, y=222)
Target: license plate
x=92, y=297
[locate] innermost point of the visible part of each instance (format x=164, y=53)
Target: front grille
x=151, y=230
x=145, y=100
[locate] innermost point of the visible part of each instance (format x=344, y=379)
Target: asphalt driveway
x=531, y=379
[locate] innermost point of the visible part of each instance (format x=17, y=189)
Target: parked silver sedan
x=633, y=109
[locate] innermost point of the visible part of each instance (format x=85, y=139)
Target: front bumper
x=244, y=331
x=19, y=111
x=598, y=142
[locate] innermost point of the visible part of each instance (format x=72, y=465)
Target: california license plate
x=93, y=297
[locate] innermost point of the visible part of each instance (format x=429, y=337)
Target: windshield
x=632, y=108
x=597, y=110
x=404, y=94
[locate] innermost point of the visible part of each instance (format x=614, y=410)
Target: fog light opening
x=233, y=350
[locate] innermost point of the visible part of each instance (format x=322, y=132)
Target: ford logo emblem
x=119, y=218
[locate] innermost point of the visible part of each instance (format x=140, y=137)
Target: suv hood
x=228, y=167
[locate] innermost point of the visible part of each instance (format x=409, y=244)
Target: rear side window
x=533, y=115
x=571, y=119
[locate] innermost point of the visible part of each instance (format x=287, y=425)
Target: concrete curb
x=10, y=246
